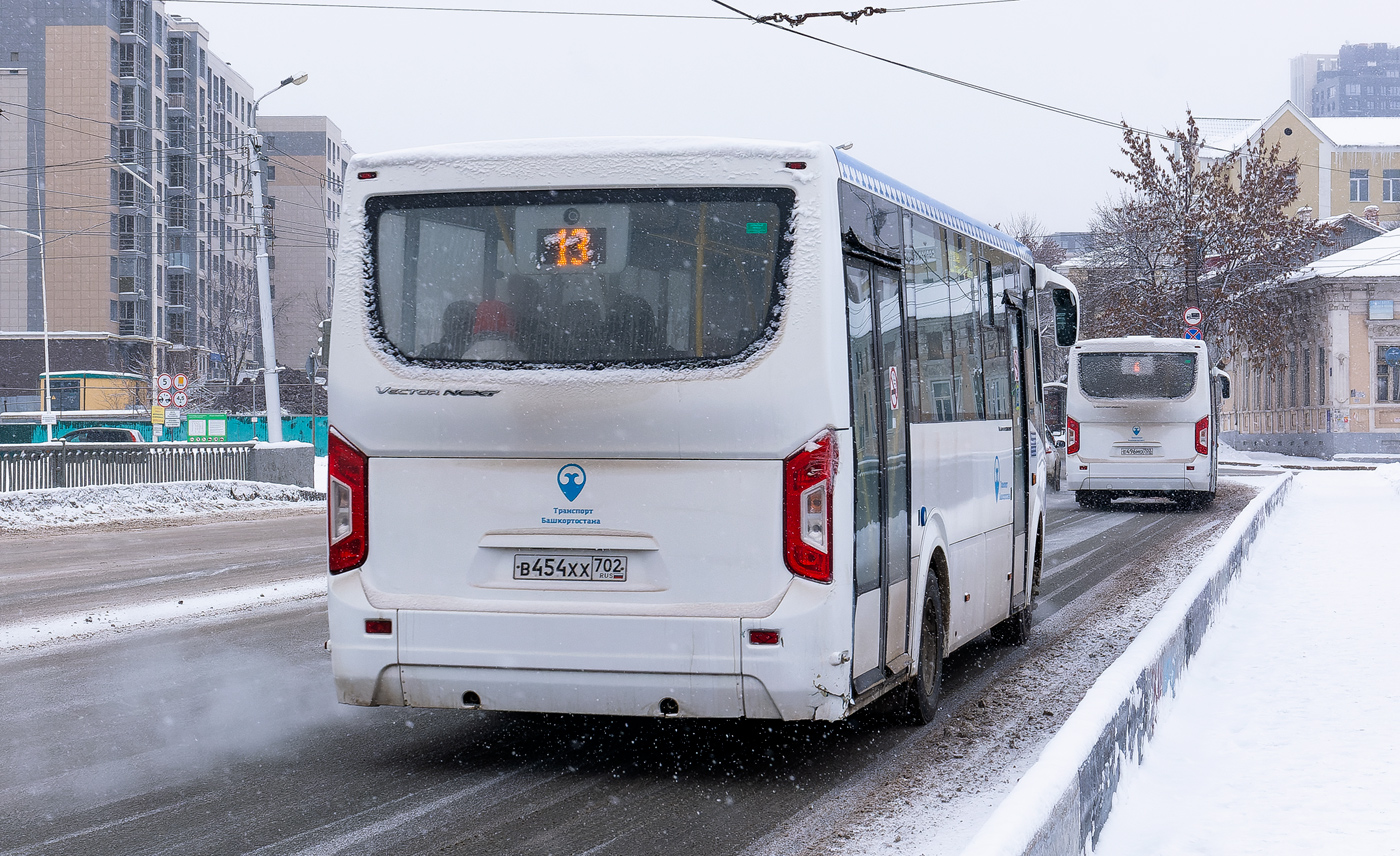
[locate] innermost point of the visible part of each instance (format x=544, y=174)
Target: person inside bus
x=493, y=332
x=457, y=321
x=629, y=328
x=531, y=327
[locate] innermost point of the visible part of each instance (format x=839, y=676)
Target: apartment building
x=123, y=140
x=1358, y=80
x=307, y=160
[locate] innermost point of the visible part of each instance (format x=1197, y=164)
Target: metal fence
x=32, y=466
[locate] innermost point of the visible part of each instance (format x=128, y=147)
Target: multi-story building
x=307, y=159
x=1345, y=164
x=1358, y=80
x=123, y=139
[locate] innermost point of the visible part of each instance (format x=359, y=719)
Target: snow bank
x=78, y=625
x=24, y=510
x=1062, y=803
x=1283, y=737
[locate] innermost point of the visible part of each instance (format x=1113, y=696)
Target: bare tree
x=1215, y=234
x=1027, y=229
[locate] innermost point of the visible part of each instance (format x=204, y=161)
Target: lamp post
x=155, y=370
x=272, y=391
x=44, y=298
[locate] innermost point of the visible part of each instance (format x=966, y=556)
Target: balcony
x=179, y=261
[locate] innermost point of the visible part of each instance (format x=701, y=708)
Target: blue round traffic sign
x=1193, y=333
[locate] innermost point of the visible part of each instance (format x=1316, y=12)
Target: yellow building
x=96, y=390
x=1346, y=164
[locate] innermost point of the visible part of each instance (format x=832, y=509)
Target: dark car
x=103, y=435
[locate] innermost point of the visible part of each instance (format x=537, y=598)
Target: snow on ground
x=110, y=619
x=321, y=470
x=1283, y=737
x=31, y=510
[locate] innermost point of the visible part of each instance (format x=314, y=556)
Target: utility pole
x=155, y=367
x=272, y=392
x=44, y=297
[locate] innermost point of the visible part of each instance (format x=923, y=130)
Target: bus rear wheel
x=927, y=687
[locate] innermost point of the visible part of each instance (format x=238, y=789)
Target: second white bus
x=674, y=427
x=1141, y=420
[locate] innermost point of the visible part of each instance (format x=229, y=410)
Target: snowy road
x=221, y=735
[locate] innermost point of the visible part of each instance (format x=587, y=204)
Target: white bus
x=1142, y=418
x=674, y=427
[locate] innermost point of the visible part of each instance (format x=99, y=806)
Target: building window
x=1381, y=310
x=1390, y=185
x=1321, y=376
x=1353, y=89
x=1292, y=378
x=1307, y=379
x=1388, y=373
x=1360, y=185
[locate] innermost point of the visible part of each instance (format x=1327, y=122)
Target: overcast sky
x=397, y=78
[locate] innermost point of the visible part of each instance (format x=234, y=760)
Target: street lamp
x=155, y=371
x=272, y=391
x=44, y=297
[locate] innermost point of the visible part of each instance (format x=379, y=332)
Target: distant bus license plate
x=1135, y=451
x=540, y=566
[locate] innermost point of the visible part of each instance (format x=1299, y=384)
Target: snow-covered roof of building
x=1369, y=131
x=1219, y=136
x=1379, y=256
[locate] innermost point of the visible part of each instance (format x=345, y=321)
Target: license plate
x=1135, y=451
x=544, y=566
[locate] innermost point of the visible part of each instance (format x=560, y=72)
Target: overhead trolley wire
x=561, y=12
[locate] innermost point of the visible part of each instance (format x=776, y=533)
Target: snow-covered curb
x=1061, y=804
x=103, y=620
x=27, y=510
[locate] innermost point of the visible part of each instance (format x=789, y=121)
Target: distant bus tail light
x=1203, y=436
x=1071, y=436
x=808, y=476
x=348, y=500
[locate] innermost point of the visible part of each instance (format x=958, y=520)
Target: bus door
x=875, y=319
x=1019, y=354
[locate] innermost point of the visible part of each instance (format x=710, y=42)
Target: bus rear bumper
x=1135, y=477
x=585, y=664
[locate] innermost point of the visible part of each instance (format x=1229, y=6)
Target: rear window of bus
x=581, y=278
x=1137, y=375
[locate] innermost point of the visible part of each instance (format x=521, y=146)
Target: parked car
x=103, y=435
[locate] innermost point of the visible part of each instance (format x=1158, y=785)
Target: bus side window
x=965, y=307
x=930, y=323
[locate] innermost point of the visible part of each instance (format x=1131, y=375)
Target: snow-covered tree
x=1204, y=228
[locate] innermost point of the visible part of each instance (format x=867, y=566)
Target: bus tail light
x=808, y=477
x=1071, y=436
x=1203, y=436
x=348, y=504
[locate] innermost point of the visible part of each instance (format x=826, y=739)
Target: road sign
x=172, y=417
x=1193, y=317
x=165, y=381
x=181, y=400
x=164, y=399
x=1193, y=333
x=181, y=381
x=157, y=415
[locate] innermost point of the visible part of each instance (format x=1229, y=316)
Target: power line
x=581, y=14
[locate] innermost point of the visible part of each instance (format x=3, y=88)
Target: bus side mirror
x=1064, y=297
x=1224, y=387
x=1066, y=317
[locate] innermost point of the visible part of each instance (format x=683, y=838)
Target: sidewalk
x=1284, y=737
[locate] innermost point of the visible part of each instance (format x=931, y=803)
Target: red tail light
x=808, y=477
x=348, y=500
x=1203, y=436
x=1071, y=436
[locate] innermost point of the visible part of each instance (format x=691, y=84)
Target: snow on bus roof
x=901, y=194
x=589, y=147
x=620, y=147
